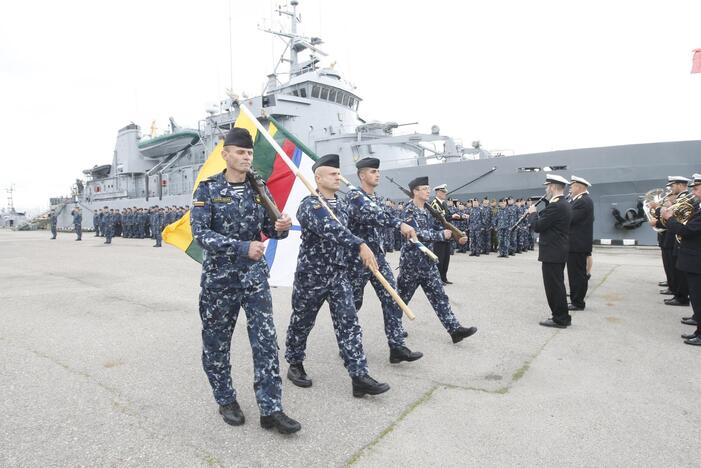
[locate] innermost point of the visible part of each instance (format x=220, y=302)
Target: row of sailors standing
x=135, y=223
x=680, y=244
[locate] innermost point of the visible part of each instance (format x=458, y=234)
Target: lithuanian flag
x=286, y=189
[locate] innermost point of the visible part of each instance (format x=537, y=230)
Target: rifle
x=494, y=168
x=456, y=233
x=258, y=185
x=520, y=220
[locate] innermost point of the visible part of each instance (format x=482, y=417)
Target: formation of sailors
x=135, y=223
x=677, y=218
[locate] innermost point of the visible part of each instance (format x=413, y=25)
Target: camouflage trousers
x=359, y=276
x=78, y=231
x=157, y=234
x=486, y=243
x=522, y=239
x=475, y=241
x=309, y=292
x=53, y=230
x=219, y=310
x=109, y=233
x=430, y=281
x=504, y=240
x=513, y=241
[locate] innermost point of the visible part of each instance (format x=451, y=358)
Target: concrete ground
x=100, y=366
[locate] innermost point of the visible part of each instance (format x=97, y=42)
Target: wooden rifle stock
x=259, y=186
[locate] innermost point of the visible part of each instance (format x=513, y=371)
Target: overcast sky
x=518, y=76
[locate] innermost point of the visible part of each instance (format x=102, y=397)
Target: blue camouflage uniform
x=522, y=234
x=224, y=224
x=513, y=217
x=367, y=219
x=415, y=268
x=53, y=220
x=475, y=227
x=486, y=234
x=157, y=226
x=463, y=225
x=322, y=275
x=501, y=224
x=78, y=224
x=109, y=219
x=96, y=223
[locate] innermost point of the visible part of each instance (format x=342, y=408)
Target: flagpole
x=295, y=170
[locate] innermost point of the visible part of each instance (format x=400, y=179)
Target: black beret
x=418, y=182
x=330, y=160
x=368, y=162
x=239, y=137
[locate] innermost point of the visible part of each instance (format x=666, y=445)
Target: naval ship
x=321, y=107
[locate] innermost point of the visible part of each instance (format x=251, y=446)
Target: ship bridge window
x=303, y=92
x=315, y=91
x=324, y=93
x=332, y=95
x=345, y=99
x=294, y=92
x=339, y=97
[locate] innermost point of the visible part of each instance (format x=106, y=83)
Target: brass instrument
x=657, y=197
x=682, y=209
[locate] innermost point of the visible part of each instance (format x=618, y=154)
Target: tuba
x=683, y=209
x=657, y=197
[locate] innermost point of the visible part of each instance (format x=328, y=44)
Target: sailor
x=493, y=238
x=322, y=275
x=109, y=220
x=442, y=247
x=581, y=237
x=522, y=234
x=475, y=229
x=96, y=221
x=368, y=216
x=689, y=257
x=486, y=232
x=512, y=209
x=227, y=220
x=157, y=225
x=117, y=222
x=77, y=223
x=553, y=225
x=501, y=225
x=463, y=224
x=53, y=222
x=415, y=269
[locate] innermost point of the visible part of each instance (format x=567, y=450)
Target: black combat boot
x=279, y=420
x=232, y=414
x=366, y=385
x=461, y=333
x=403, y=353
x=298, y=375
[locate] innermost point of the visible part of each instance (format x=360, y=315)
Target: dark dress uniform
x=553, y=225
x=442, y=247
x=581, y=235
x=689, y=261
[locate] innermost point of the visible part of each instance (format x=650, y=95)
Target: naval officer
x=227, y=219
x=553, y=225
x=581, y=238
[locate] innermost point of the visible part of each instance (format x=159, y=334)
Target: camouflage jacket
x=368, y=219
x=502, y=219
x=427, y=230
x=326, y=244
x=224, y=224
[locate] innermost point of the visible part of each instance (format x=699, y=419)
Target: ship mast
x=296, y=43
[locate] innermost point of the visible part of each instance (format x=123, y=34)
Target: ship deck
x=101, y=367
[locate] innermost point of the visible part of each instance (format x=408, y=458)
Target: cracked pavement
x=100, y=365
